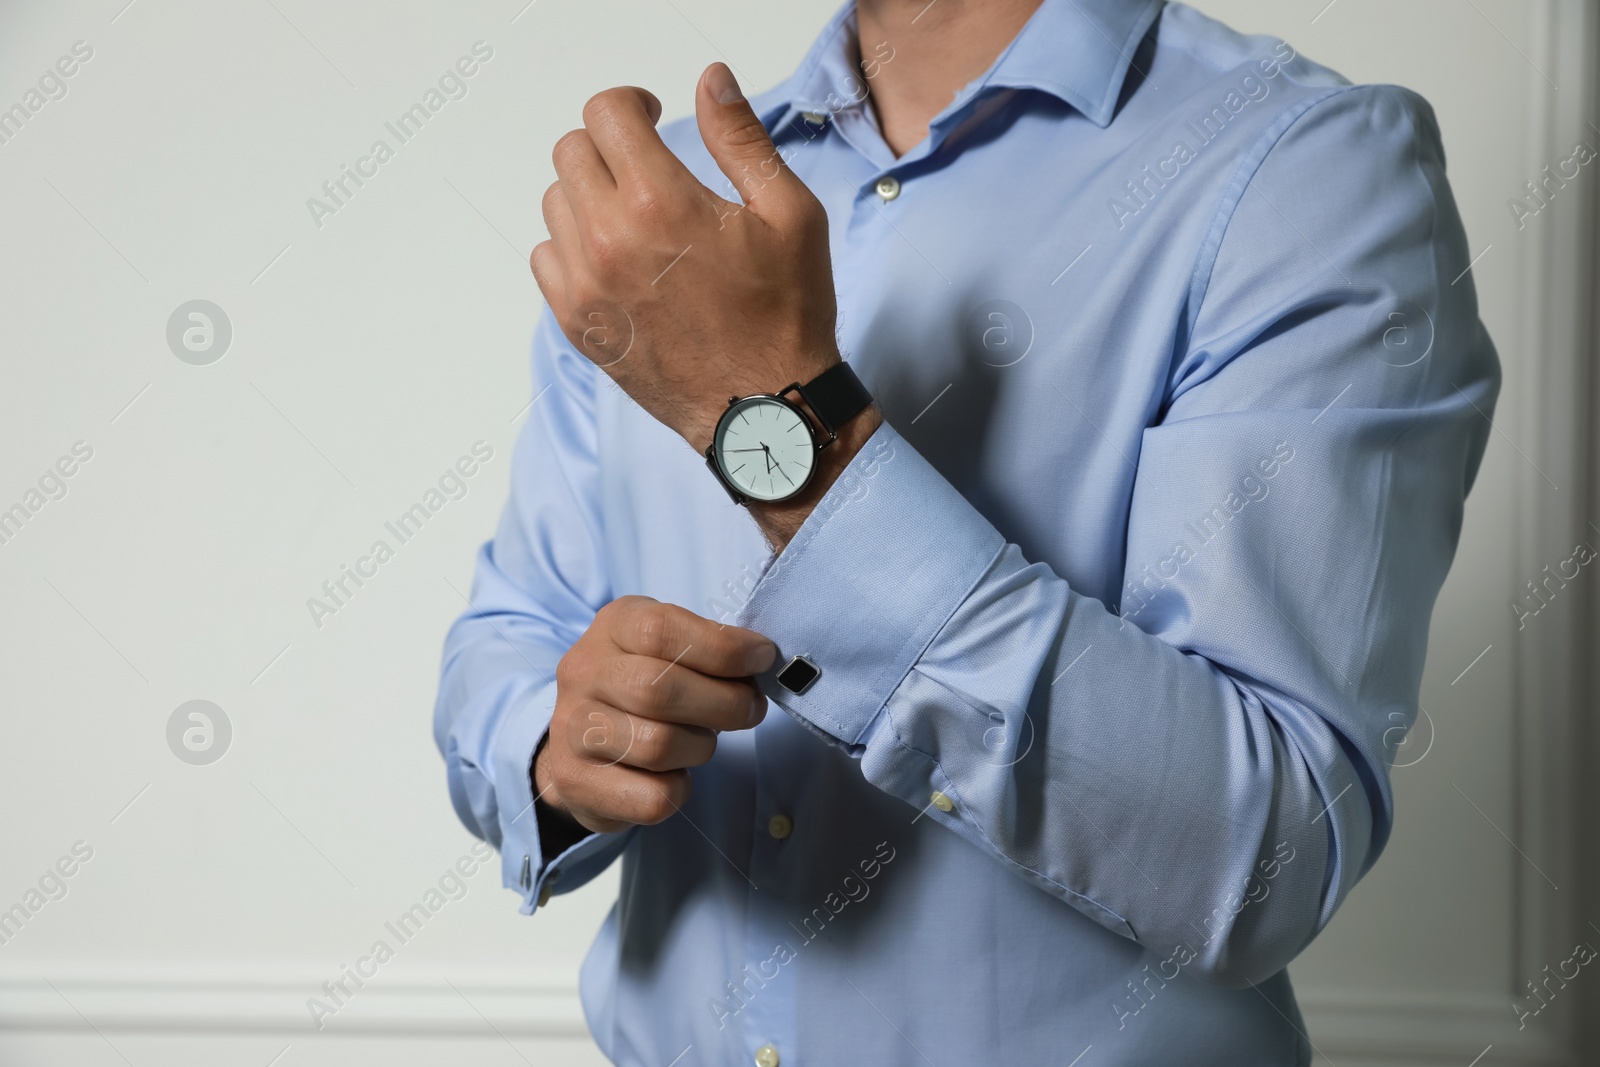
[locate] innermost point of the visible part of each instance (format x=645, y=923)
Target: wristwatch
x=765, y=449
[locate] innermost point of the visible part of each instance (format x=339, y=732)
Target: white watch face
x=765, y=449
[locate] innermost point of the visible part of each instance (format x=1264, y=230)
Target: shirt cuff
x=523, y=724
x=522, y=866
x=873, y=574
x=576, y=866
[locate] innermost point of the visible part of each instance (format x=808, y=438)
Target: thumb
x=739, y=143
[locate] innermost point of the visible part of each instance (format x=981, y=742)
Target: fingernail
x=761, y=657
x=724, y=89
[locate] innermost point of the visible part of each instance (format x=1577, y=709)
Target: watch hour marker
x=770, y=433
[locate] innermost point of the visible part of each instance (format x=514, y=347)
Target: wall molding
x=1548, y=417
x=1397, y=1026
x=212, y=1002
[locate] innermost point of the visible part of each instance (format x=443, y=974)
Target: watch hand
x=770, y=463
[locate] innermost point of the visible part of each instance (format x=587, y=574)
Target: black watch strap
x=835, y=396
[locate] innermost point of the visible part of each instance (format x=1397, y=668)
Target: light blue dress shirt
x=1121, y=616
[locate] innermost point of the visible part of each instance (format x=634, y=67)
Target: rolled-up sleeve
x=1222, y=736
x=536, y=588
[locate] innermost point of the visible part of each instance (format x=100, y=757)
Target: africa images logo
x=339, y=190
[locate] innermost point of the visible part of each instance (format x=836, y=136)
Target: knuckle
x=581, y=733
x=663, y=688
x=652, y=742
x=612, y=619
x=569, y=669
x=659, y=805
x=607, y=249
x=648, y=203
x=632, y=680
x=565, y=772
x=749, y=133
x=552, y=200
x=602, y=251
x=568, y=143
x=618, y=673
x=602, y=105
x=589, y=727
x=645, y=628
x=561, y=715
x=596, y=106
x=650, y=696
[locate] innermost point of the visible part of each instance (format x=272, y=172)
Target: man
x=1094, y=636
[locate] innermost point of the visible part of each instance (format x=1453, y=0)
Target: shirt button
x=766, y=1056
x=942, y=802
x=816, y=118
x=888, y=187
x=780, y=826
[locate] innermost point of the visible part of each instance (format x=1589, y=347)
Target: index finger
x=622, y=122
x=668, y=632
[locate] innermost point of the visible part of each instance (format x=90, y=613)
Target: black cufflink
x=798, y=674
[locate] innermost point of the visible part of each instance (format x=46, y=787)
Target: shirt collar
x=1076, y=50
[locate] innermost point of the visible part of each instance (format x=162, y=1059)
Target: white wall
x=369, y=353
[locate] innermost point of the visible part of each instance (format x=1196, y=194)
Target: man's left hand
x=683, y=297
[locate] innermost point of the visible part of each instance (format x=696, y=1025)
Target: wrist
x=780, y=521
x=805, y=364
x=542, y=778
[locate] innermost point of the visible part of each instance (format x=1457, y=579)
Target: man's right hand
x=640, y=698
